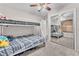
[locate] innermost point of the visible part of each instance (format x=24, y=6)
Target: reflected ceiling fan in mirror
x=41, y=6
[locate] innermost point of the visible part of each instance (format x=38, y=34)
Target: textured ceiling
x=25, y=7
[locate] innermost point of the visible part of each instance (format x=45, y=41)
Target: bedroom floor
x=65, y=41
x=51, y=49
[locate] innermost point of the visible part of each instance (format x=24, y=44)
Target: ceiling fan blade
x=33, y=5
x=48, y=8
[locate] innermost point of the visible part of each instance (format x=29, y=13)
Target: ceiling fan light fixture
x=41, y=6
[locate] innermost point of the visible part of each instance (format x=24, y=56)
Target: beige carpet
x=65, y=41
x=53, y=49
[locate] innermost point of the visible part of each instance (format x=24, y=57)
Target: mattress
x=21, y=43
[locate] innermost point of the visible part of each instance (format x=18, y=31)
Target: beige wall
x=16, y=14
x=17, y=31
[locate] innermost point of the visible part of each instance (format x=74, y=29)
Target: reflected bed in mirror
x=62, y=29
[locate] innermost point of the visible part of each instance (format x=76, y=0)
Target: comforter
x=21, y=43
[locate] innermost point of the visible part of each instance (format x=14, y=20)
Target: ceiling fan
x=41, y=6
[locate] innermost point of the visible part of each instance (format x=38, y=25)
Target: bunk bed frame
x=17, y=23
x=20, y=23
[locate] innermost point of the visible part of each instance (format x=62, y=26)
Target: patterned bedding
x=21, y=43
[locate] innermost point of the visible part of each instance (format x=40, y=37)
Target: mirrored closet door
x=62, y=29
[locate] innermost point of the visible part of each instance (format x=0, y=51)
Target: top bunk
x=17, y=23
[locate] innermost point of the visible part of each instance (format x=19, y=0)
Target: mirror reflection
x=62, y=29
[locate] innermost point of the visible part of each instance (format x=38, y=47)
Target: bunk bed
x=21, y=43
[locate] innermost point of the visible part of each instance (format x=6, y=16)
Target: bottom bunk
x=21, y=44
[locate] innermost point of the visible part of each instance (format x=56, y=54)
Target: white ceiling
x=25, y=7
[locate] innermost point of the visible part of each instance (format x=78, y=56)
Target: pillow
x=4, y=41
x=10, y=38
x=3, y=38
